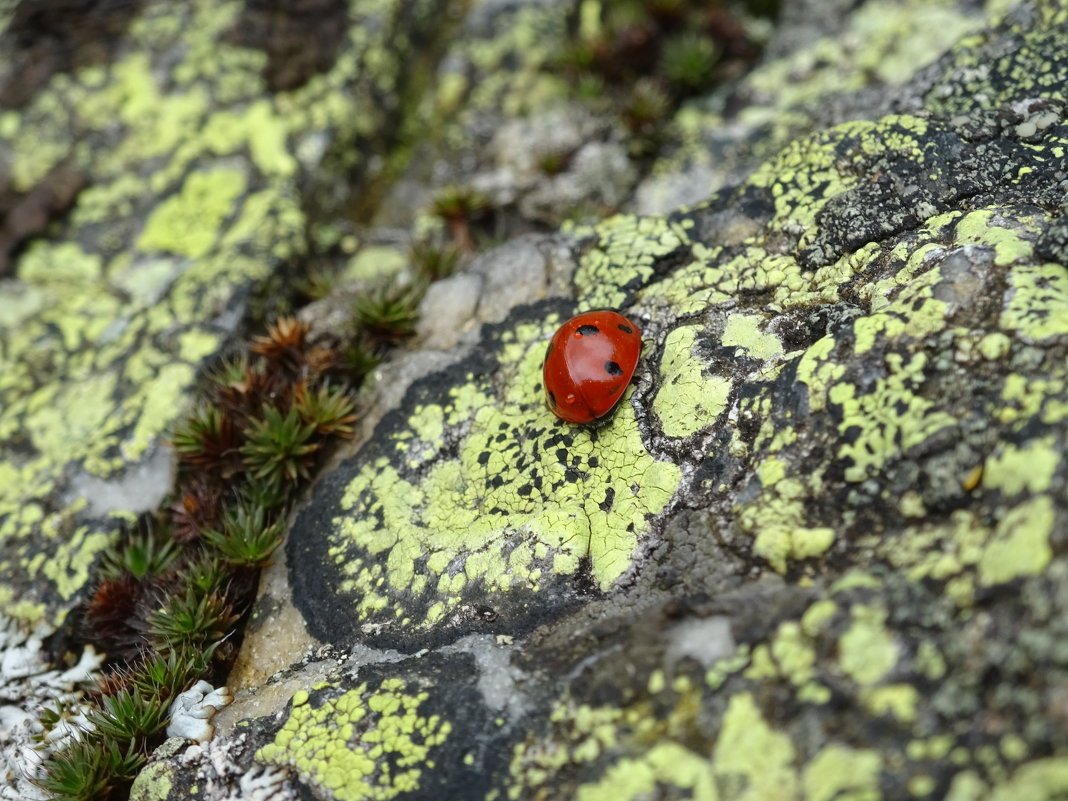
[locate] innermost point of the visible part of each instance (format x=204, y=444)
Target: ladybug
x=589, y=362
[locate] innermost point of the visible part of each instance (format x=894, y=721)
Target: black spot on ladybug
x=587, y=330
x=612, y=368
x=609, y=498
x=626, y=329
x=552, y=400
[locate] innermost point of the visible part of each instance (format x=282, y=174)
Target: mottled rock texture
x=818, y=552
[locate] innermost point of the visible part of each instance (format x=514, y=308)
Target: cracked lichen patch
x=478, y=491
x=663, y=765
x=363, y=743
x=782, y=528
x=889, y=419
x=1037, y=308
x=187, y=223
x=625, y=251
x=688, y=399
x=868, y=651
x=1020, y=543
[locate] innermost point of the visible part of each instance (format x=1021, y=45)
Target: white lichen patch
x=29, y=685
x=192, y=711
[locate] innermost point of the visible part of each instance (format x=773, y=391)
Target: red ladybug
x=589, y=363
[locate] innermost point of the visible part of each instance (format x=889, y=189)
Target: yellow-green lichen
x=751, y=760
x=1020, y=545
x=665, y=764
x=102, y=342
x=188, y=223
x=1030, y=467
x=838, y=773
x=626, y=251
x=789, y=654
x=946, y=550
x=743, y=331
x=360, y=744
x=474, y=518
x=778, y=519
x=889, y=419
x=867, y=651
x=153, y=783
x=1040, y=780
x=1009, y=242
x=1037, y=307
x=688, y=399
x=898, y=700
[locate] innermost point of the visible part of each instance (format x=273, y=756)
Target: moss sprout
x=144, y=554
x=279, y=446
x=206, y=438
x=461, y=208
x=189, y=618
x=388, y=313
x=327, y=408
x=129, y=716
x=88, y=769
x=247, y=537
x=688, y=61
x=432, y=261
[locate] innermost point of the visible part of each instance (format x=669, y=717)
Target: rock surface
x=819, y=550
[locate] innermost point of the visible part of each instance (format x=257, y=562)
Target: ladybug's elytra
x=590, y=361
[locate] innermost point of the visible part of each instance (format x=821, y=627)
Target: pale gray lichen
x=192, y=711
x=27, y=686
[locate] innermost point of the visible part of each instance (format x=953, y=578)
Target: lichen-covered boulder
x=817, y=553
